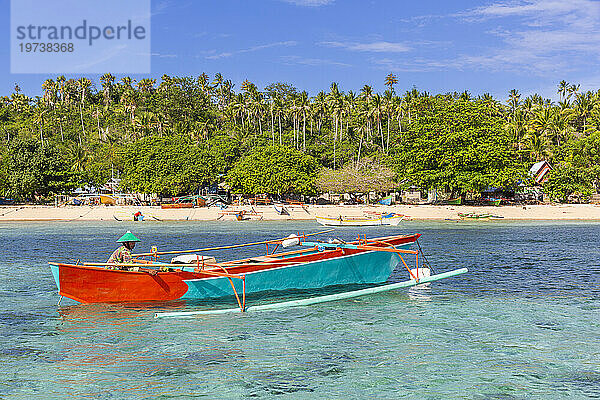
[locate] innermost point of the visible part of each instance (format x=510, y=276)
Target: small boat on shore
x=281, y=209
x=240, y=215
x=474, y=216
x=318, y=264
x=492, y=202
x=384, y=219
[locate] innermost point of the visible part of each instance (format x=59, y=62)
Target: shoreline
x=584, y=212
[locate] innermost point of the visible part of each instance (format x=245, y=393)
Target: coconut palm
x=390, y=81
x=563, y=88
x=583, y=105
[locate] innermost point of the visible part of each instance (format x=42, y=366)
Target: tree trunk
x=82, y=126
x=98, y=120
x=304, y=131
x=388, y=134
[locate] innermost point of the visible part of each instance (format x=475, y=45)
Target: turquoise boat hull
x=362, y=268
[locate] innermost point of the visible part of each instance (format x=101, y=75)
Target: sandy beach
x=268, y=213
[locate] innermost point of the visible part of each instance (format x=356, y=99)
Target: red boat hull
x=87, y=284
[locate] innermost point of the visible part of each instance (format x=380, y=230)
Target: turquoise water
x=523, y=324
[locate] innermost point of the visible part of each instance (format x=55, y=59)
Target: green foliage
x=451, y=141
x=169, y=165
x=456, y=146
x=4, y=166
x=274, y=170
x=566, y=180
x=225, y=151
x=36, y=170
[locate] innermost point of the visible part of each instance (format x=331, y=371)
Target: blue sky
x=437, y=46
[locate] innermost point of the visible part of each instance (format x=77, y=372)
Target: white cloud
x=252, y=49
x=220, y=55
x=310, y=3
x=375, y=47
x=161, y=55
x=550, y=35
x=540, y=37
x=313, y=62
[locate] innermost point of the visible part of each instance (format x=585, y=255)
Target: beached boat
x=193, y=276
x=281, y=209
x=384, y=219
x=491, y=202
x=455, y=202
x=474, y=216
x=240, y=215
x=186, y=202
x=386, y=201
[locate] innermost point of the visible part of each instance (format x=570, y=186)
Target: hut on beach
x=539, y=171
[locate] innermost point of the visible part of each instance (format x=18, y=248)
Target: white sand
x=418, y=212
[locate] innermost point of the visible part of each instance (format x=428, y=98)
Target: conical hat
x=128, y=237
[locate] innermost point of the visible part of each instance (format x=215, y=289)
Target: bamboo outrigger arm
x=319, y=299
x=356, y=247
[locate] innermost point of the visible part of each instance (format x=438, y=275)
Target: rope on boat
x=425, y=260
x=226, y=247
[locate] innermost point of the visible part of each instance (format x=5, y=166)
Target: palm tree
x=390, y=81
x=204, y=84
x=49, y=88
x=583, y=106
x=279, y=107
x=218, y=82
x=563, y=87
x=513, y=100
x=108, y=81
x=39, y=119
x=146, y=85
x=304, y=107
x=538, y=145
x=377, y=111
x=517, y=128
x=389, y=109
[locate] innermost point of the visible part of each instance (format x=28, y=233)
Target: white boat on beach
x=386, y=219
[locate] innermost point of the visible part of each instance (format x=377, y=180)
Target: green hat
x=128, y=237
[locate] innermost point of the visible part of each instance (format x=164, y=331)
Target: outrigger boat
x=384, y=219
x=474, y=216
x=194, y=276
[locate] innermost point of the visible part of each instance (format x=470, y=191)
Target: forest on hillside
x=175, y=136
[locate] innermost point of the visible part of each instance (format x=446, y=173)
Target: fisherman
x=122, y=255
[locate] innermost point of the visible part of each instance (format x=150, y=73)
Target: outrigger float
x=193, y=276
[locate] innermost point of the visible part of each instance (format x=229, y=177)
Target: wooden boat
x=384, y=219
x=474, y=216
x=186, y=202
x=177, y=205
x=281, y=209
x=455, y=202
x=492, y=202
x=316, y=265
x=240, y=215
x=386, y=201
